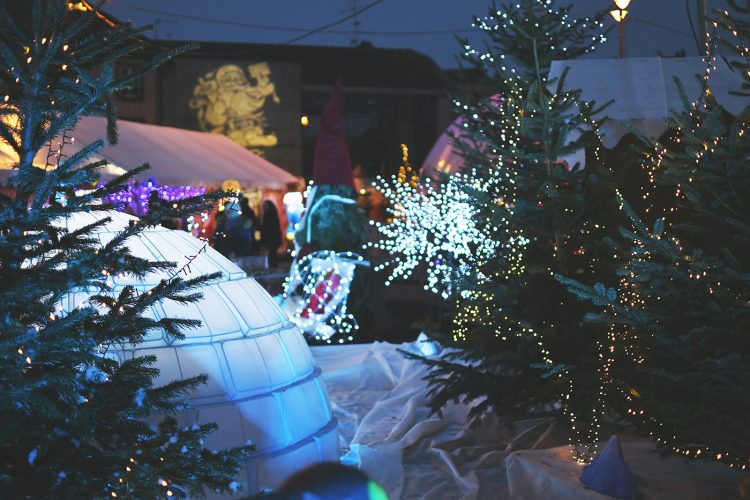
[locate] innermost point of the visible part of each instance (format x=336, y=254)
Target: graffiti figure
x=227, y=103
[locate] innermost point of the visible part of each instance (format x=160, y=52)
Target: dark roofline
x=85, y=6
x=212, y=46
x=364, y=65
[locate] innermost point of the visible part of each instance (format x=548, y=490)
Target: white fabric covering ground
x=379, y=399
x=534, y=474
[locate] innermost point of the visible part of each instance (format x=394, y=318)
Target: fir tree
x=76, y=422
x=521, y=345
x=679, y=367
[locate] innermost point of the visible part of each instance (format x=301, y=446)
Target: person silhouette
x=270, y=232
x=329, y=481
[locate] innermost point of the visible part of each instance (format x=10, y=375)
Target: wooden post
x=702, y=27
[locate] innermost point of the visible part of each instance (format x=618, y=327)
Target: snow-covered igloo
x=263, y=385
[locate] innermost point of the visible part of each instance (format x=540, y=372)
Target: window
x=135, y=92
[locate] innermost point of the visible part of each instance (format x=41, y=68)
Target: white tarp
x=534, y=474
x=379, y=399
x=644, y=91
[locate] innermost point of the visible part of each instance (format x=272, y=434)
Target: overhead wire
x=335, y=23
x=663, y=27
x=306, y=32
x=266, y=27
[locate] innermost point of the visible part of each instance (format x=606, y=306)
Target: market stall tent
x=176, y=156
x=263, y=385
x=444, y=158
x=643, y=92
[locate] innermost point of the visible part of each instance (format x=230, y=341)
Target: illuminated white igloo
x=263, y=385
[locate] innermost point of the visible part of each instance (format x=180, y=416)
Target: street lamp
x=619, y=15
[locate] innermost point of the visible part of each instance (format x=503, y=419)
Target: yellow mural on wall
x=228, y=103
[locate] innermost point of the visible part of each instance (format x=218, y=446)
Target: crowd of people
x=241, y=234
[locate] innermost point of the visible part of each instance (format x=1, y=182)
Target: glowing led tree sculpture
x=433, y=224
x=681, y=363
x=74, y=420
x=520, y=346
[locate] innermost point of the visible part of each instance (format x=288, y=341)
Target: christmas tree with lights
x=679, y=356
x=78, y=422
x=522, y=347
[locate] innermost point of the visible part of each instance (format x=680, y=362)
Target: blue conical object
x=609, y=474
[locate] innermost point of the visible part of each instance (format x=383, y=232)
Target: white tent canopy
x=176, y=156
x=644, y=91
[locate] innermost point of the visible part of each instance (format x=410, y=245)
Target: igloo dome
x=263, y=385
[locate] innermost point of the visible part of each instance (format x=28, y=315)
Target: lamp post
x=619, y=15
x=703, y=27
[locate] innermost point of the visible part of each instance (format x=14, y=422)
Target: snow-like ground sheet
x=379, y=398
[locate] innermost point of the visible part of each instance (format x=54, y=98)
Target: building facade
x=268, y=99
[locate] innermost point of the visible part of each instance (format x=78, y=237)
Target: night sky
x=428, y=26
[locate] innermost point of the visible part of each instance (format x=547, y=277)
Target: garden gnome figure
x=331, y=161
x=332, y=196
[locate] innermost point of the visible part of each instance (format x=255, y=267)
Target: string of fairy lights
x=585, y=436
x=557, y=18
x=318, y=284
x=667, y=437
x=475, y=304
x=582, y=437
x=408, y=252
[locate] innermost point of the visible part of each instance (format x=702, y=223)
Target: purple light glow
x=133, y=199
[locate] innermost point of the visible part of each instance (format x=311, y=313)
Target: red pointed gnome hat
x=331, y=162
